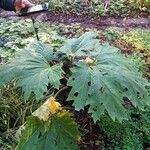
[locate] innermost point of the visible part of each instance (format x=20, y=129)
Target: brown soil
x=95, y=22
x=85, y=20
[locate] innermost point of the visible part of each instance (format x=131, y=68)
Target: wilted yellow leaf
x=54, y=106
x=49, y=107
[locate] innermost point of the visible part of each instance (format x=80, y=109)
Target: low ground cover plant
x=16, y=35
x=101, y=7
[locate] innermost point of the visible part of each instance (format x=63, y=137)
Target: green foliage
x=139, y=63
x=102, y=79
x=120, y=136
x=140, y=39
x=59, y=133
x=80, y=46
x=12, y=110
x=98, y=77
x=118, y=7
x=138, y=43
x=15, y=36
x=57, y=5
x=13, y=114
x=102, y=87
x=33, y=70
x=99, y=7
x=112, y=34
x=143, y=5
x=18, y=34
x=132, y=134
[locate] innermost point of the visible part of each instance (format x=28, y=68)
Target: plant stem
x=61, y=90
x=35, y=29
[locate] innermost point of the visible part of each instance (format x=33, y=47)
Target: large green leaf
x=59, y=133
x=33, y=70
x=104, y=84
x=7, y=73
x=81, y=45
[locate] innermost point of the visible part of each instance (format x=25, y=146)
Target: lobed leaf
x=104, y=83
x=59, y=133
x=32, y=70
x=81, y=45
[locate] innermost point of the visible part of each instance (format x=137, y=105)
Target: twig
x=61, y=90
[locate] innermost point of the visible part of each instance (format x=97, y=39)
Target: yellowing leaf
x=49, y=107
x=60, y=132
x=54, y=106
x=89, y=61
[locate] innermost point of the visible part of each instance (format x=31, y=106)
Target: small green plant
x=96, y=76
x=112, y=34
x=118, y=7
x=57, y=5
x=141, y=4
x=132, y=134
x=139, y=62
x=120, y=136
x=18, y=34
x=139, y=39
x=99, y=7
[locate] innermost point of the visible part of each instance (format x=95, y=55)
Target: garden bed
x=130, y=35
